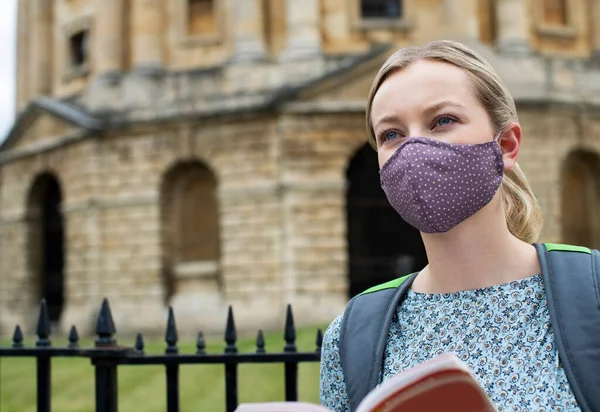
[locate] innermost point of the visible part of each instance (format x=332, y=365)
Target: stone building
x=202, y=153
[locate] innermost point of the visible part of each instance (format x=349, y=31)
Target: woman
x=447, y=136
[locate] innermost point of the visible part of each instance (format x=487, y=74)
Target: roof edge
x=64, y=111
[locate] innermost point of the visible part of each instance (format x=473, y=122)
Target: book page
x=281, y=407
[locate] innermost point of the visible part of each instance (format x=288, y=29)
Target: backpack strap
x=363, y=334
x=572, y=284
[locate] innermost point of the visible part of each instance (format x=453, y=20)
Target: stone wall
x=282, y=206
x=131, y=46
x=70, y=167
x=113, y=227
x=550, y=134
x=281, y=177
x=316, y=151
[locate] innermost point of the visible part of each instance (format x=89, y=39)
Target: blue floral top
x=502, y=332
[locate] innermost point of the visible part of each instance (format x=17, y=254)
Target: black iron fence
x=106, y=355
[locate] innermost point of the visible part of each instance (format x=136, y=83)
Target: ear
x=510, y=143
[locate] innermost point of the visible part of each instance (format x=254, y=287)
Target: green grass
x=143, y=388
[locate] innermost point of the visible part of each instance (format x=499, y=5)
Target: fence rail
x=106, y=355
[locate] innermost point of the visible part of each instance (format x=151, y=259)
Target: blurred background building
x=201, y=153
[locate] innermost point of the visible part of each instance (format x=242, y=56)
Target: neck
x=478, y=253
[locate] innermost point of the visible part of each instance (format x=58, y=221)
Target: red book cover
x=444, y=383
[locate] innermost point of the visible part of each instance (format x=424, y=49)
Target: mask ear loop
x=496, y=139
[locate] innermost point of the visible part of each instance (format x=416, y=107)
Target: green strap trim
x=392, y=284
x=566, y=248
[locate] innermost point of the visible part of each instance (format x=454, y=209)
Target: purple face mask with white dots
x=434, y=185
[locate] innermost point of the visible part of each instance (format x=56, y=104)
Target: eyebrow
x=393, y=118
x=387, y=119
x=437, y=106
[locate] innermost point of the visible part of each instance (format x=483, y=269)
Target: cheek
x=383, y=155
x=468, y=135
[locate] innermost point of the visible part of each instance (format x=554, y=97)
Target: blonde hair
x=522, y=210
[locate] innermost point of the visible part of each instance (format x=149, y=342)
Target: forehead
x=421, y=84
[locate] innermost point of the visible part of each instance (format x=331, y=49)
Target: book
x=444, y=383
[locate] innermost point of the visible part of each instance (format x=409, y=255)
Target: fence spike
x=319, y=340
x=230, y=333
x=139, y=343
x=260, y=342
x=171, y=334
x=105, y=327
x=17, y=337
x=73, y=338
x=200, y=344
x=290, y=332
x=43, y=326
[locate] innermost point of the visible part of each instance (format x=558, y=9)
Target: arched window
x=580, y=199
x=381, y=245
x=201, y=18
x=45, y=243
x=190, y=226
x=197, y=216
x=373, y=9
x=555, y=12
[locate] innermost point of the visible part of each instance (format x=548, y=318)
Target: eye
x=388, y=135
x=443, y=120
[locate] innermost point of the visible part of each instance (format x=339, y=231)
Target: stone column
x=22, y=64
x=513, y=26
x=40, y=47
x=108, y=40
x=303, y=30
x=249, y=44
x=336, y=22
x=596, y=31
x=463, y=16
x=147, y=36
x=451, y=10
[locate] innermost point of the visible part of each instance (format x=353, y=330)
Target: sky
x=8, y=26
